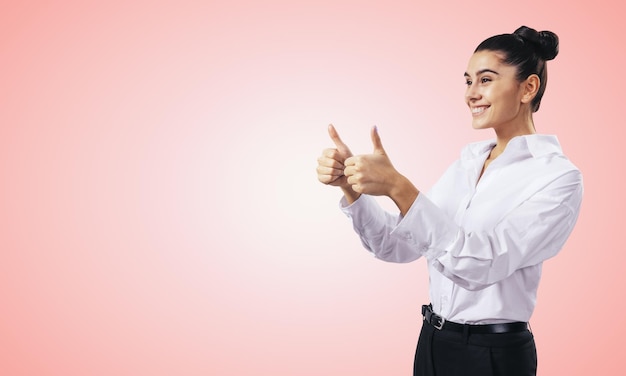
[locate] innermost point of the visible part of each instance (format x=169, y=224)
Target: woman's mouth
x=477, y=111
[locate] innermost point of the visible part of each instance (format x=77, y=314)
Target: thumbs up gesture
x=372, y=174
x=330, y=164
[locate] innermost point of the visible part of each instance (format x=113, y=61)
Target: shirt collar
x=540, y=145
x=537, y=145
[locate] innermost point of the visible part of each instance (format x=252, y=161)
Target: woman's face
x=494, y=95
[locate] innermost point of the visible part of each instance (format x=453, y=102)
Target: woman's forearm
x=350, y=194
x=403, y=194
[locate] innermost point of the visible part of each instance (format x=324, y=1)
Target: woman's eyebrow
x=481, y=72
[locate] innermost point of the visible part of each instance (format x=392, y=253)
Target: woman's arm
x=532, y=232
x=375, y=226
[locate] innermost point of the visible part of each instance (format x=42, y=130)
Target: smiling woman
x=487, y=225
x=494, y=94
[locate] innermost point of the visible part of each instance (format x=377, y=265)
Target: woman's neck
x=507, y=133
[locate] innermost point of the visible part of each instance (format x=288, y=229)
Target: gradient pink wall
x=159, y=210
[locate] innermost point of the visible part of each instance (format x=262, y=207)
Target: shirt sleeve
x=529, y=234
x=375, y=226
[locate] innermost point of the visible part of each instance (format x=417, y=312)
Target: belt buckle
x=441, y=320
x=431, y=317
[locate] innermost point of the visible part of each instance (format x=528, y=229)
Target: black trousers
x=449, y=353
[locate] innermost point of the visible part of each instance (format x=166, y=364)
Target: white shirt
x=484, y=242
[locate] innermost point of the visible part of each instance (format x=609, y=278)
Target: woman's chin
x=479, y=125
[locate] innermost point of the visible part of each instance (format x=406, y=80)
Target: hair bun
x=546, y=43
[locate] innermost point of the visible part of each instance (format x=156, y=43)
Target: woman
x=486, y=226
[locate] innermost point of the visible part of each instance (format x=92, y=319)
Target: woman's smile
x=478, y=110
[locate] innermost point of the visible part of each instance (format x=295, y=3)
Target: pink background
x=159, y=209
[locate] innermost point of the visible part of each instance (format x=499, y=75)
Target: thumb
x=378, y=145
x=332, y=132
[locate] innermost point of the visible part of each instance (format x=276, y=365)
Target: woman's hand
x=330, y=164
x=374, y=174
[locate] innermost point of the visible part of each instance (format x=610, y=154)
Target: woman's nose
x=472, y=92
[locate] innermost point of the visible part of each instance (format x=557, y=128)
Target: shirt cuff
x=362, y=211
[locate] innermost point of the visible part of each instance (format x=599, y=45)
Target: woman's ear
x=531, y=87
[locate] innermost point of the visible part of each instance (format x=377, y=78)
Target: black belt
x=440, y=323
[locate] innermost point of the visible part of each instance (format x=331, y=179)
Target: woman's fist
x=331, y=164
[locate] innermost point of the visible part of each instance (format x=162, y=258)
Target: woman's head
x=527, y=50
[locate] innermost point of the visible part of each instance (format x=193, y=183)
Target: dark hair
x=528, y=50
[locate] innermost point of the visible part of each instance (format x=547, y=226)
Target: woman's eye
x=468, y=82
x=485, y=80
